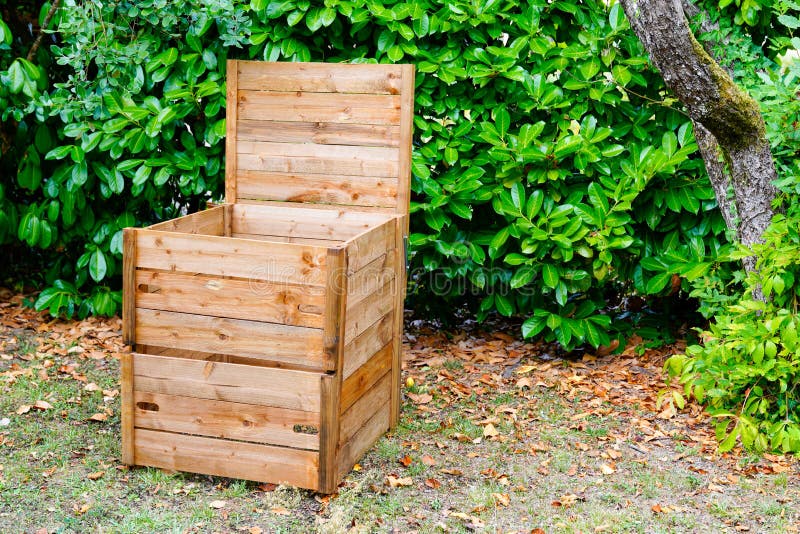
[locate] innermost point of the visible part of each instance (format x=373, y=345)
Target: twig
x=45, y=24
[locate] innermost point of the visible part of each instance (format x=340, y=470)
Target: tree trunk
x=723, y=114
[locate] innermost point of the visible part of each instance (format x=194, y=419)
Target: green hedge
x=550, y=173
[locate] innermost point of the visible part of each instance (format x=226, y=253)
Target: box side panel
x=235, y=459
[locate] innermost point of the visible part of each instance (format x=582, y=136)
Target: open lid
x=328, y=134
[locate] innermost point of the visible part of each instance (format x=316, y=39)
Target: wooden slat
x=249, y=461
x=329, y=433
x=283, y=239
x=322, y=207
x=231, y=127
x=317, y=188
x=362, y=348
x=228, y=218
x=230, y=420
x=362, y=440
x=321, y=133
x=317, y=165
x=234, y=298
x=283, y=388
x=406, y=132
x=222, y=256
x=371, y=277
x=400, y=295
x=293, y=109
x=319, y=77
x=295, y=221
x=365, y=377
x=368, y=246
x=372, y=401
x=311, y=150
x=207, y=222
x=127, y=402
x=369, y=310
x=129, y=286
x=270, y=342
x=335, y=310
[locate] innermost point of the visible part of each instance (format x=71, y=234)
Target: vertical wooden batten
x=127, y=413
x=232, y=113
x=406, y=134
x=129, y=286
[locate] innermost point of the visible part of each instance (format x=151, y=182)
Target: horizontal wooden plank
x=372, y=401
x=249, y=461
x=327, y=207
x=363, y=440
x=282, y=388
x=369, y=310
x=320, y=77
x=365, y=376
x=316, y=165
x=362, y=348
x=208, y=222
x=224, y=256
x=255, y=106
x=310, y=150
x=299, y=221
x=370, y=245
x=284, y=239
x=371, y=277
x=230, y=420
x=234, y=298
x=269, y=342
x=322, y=133
x=317, y=188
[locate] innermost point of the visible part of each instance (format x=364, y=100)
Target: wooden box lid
x=329, y=134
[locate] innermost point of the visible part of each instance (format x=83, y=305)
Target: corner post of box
x=231, y=124
x=129, y=286
x=331, y=381
x=397, y=328
x=406, y=134
x=126, y=416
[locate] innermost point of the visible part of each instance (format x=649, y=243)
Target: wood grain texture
x=368, y=310
x=367, y=405
x=329, y=433
x=282, y=388
x=362, y=380
x=222, y=256
x=320, y=77
x=129, y=286
x=231, y=127
x=317, y=165
x=399, y=308
x=406, y=136
x=371, y=277
x=321, y=133
x=270, y=342
x=230, y=420
x=371, y=244
x=362, y=348
x=335, y=310
x=299, y=221
x=362, y=440
x=318, y=188
x=207, y=222
x=234, y=298
x=127, y=409
x=248, y=461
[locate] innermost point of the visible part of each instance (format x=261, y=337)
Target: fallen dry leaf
x=99, y=417
x=96, y=475
x=395, y=482
x=502, y=499
x=279, y=510
x=432, y=483
x=423, y=398
x=217, y=504
x=22, y=410
x=42, y=405
x=489, y=431
x=405, y=461
x=428, y=460
x=606, y=469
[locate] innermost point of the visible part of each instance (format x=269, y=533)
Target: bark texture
x=724, y=116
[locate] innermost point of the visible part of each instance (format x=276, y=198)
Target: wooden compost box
x=266, y=331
